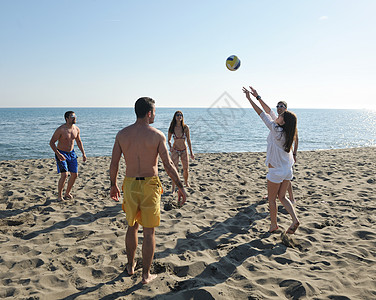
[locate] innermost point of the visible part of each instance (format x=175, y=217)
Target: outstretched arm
x=114, y=169
x=248, y=96
x=267, y=119
x=265, y=107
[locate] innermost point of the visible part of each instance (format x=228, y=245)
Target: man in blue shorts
x=66, y=158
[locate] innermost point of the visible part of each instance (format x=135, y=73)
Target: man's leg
x=131, y=242
x=71, y=181
x=148, y=248
x=60, y=185
x=272, y=196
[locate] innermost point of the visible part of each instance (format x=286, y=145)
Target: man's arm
x=170, y=169
x=80, y=145
x=114, y=170
x=54, y=139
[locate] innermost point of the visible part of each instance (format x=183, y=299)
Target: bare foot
x=68, y=196
x=293, y=228
x=130, y=269
x=273, y=228
x=149, y=278
x=187, y=184
x=293, y=202
x=60, y=198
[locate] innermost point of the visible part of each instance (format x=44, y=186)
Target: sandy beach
x=215, y=247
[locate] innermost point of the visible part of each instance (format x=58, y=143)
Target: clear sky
x=312, y=54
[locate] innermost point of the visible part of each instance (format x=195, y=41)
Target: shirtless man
x=141, y=144
x=66, y=158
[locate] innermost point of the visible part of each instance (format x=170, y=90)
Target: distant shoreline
x=203, y=153
x=175, y=107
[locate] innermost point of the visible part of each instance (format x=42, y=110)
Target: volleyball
x=233, y=63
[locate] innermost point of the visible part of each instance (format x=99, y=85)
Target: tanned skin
x=140, y=144
x=65, y=135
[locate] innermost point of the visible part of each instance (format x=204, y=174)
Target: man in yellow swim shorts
x=141, y=144
x=142, y=197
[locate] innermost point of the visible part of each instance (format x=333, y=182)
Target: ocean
x=25, y=132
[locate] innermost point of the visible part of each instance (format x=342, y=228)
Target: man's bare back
x=140, y=143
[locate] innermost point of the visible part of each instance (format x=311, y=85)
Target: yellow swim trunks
x=142, y=198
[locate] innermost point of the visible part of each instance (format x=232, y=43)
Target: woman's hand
x=192, y=156
x=247, y=93
x=254, y=92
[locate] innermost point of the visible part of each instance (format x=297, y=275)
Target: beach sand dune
x=215, y=247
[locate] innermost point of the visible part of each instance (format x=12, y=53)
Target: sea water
x=25, y=132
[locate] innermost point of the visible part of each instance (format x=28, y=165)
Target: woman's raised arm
x=254, y=105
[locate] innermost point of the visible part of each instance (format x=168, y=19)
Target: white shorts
x=277, y=175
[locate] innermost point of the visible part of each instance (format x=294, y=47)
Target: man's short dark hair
x=67, y=114
x=284, y=103
x=143, y=106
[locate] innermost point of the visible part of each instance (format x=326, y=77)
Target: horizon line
x=16, y=107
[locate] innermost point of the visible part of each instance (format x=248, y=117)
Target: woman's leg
x=175, y=160
x=288, y=205
x=291, y=195
x=185, y=163
x=273, y=189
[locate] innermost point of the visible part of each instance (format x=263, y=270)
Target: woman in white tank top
x=279, y=158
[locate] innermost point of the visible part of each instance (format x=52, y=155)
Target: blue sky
x=312, y=54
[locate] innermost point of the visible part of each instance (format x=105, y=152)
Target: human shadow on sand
x=206, y=238
x=111, y=282
x=10, y=213
x=214, y=273
x=86, y=218
x=220, y=271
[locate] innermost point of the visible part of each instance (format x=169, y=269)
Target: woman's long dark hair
x=289, y=128
x=173, y=122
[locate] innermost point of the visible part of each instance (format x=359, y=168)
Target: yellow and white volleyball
x=233, y=63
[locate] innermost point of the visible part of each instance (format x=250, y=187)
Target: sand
x=215, y=247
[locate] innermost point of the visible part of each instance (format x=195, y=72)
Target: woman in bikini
x=180, y=132
x=279, y=158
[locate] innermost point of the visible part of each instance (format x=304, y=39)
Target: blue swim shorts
x=69, y=164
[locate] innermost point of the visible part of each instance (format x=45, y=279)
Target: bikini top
x=179, y=138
